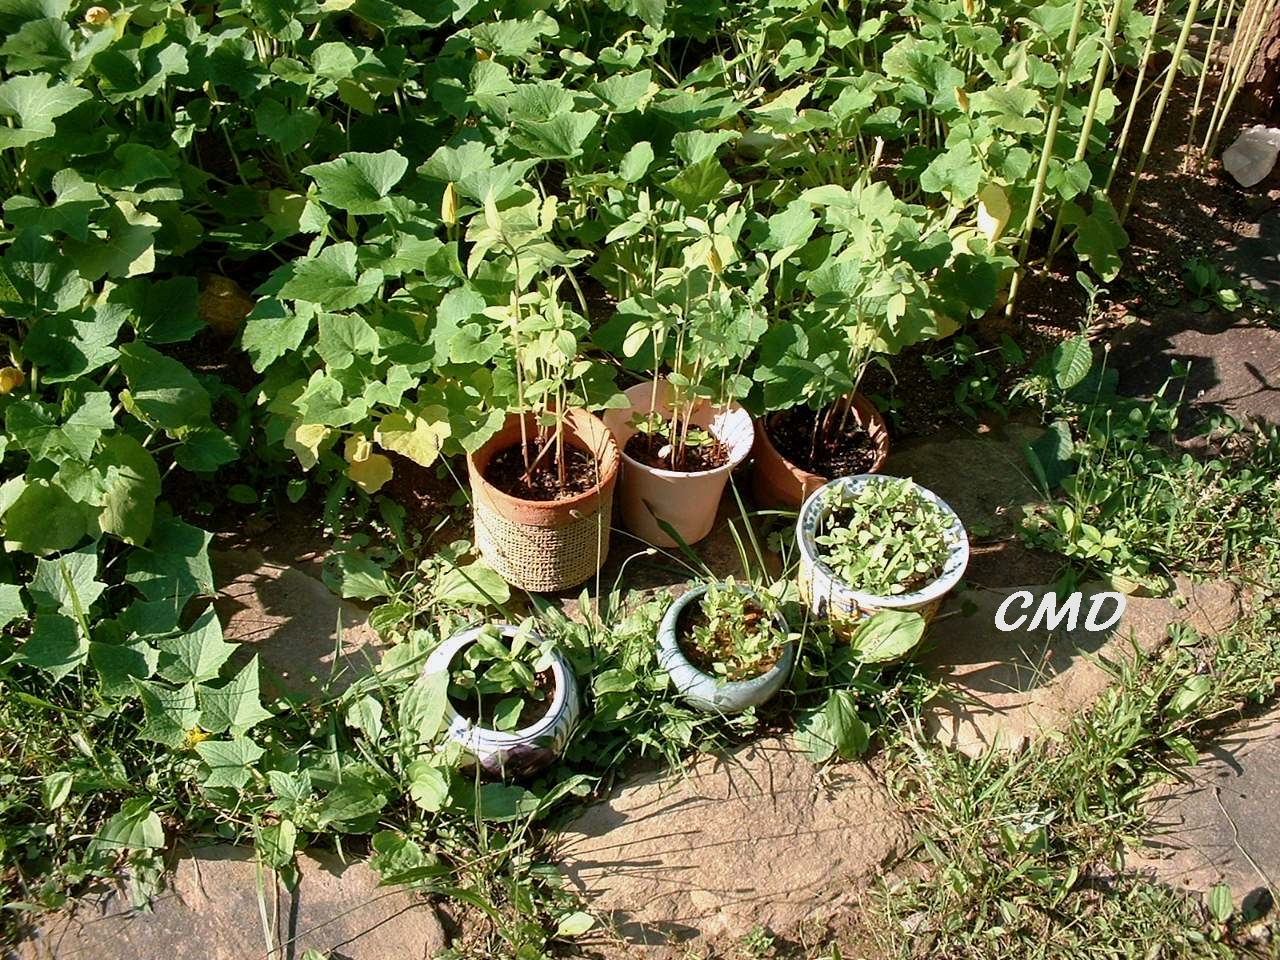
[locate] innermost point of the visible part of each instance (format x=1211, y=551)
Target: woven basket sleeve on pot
x=544, y=559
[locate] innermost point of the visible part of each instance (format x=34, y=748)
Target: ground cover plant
x=425, y=217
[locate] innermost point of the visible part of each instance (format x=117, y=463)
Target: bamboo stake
x=1255, y=41
x=1229, y=71
x=1123, y=141
x=1105, y=59
x=1046, y=154
x=1171, y=76
x=1218, y=21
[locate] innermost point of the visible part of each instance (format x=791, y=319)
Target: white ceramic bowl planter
x=831, y=599
x=705, y=691
x=514, y=753
x=686, y=501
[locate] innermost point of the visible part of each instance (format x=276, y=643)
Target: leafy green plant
x=885, y=538
x=1209, y=287
x=733, y=633
x=502, y=682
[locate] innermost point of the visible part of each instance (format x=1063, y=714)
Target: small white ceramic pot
x=707, y=692
x=515, y=753
x=831, y=599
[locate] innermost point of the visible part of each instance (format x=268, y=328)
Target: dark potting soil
x=842, y=454
x=506, y=471
x=721, y=650
x=645, y=448
x=531, y=711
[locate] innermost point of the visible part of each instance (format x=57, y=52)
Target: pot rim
x=957, y=555
x=671, y=656
x=862, y=404
x=442, y=657
x=608, y=464
x=731, y=411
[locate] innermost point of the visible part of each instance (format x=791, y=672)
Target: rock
x=1252, y=155
x=210, y=911
x=756, y=837
x=290, y=619
x=1216, y=824
x=1001, y=690
x=1234, y=363
x=224, y=305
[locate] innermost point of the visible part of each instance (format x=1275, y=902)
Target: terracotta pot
x=553, y=544
x=830, y=598
x=686, y=501
x=515, y=753
x=777, y=482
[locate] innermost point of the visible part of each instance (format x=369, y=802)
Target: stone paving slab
x=1217, y=822
x=291, y=620
x=210, y=910
x=1001, y=690
x=755, y=837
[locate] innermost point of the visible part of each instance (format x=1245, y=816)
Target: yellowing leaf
x=11, y=378
x=416, y=436
x=367, y=469
x=305, y=440
x=993, y=211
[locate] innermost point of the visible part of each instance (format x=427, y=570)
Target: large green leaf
x=230, y=762
x=171, y=713
x=36, y=101
x=11, y=607
x=56, y=645
x=68, y=584
x=236, y=706
x=343, y=338
x=119, y=664
x=330, y=279
x=162, y=391
x=133, y=488
x=175, y=564
x=1071, y=362
x=196, y=654
x=272, y=330
x=135, y=827
x=44, y=519
x=358, y=182
x=887, y=635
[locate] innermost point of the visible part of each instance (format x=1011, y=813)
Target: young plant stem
x=1171, y=76
x=1134, y=97
x=1046, y=154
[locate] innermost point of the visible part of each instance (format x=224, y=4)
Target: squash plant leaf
x=358, y=183
x=197, y=653
x=236, y=706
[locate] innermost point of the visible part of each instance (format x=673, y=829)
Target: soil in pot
x=842, y=453
x=649, y=449
x=719, y=647
x=498, y=711
x=506, y=471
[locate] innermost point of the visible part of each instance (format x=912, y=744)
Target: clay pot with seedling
x=870, y=543
x=726, y=647
x=512, y=698
x=542, y=486
x=682, y=435
x=870, y=295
